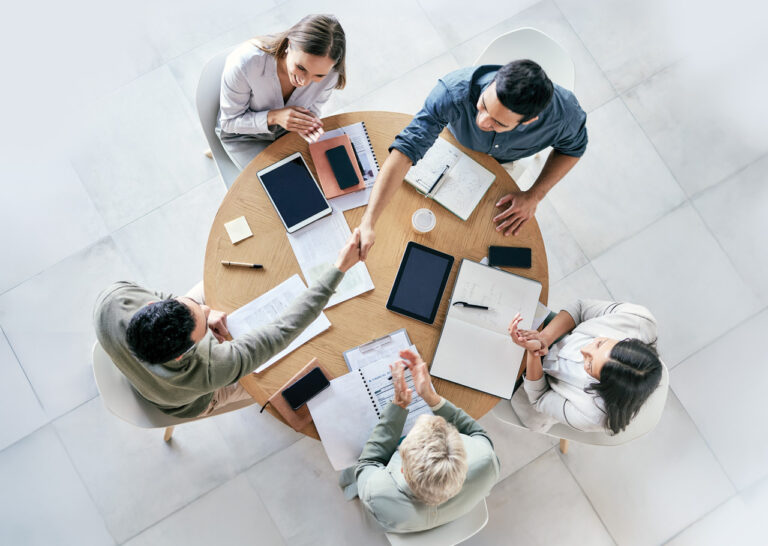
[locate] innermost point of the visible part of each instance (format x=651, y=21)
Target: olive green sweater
x=184, y=388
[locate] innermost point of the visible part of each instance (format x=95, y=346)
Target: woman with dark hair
x=591, y=367
x=278, y=83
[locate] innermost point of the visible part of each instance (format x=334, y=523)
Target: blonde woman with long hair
x=278, y=83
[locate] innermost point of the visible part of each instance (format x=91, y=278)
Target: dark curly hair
x=523, y=87
x=160, y=331
x=627, y=380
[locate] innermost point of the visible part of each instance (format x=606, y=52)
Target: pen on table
x=470, y=305
x=438, y=179
x=242, y=264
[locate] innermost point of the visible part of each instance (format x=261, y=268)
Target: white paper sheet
x=377, y=349
x=317, y=245
x=267, y=308
x=461, y=187
x=346, y=412
x=358, y=136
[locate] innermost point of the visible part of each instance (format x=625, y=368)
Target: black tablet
x=420, y=282
x=294, y=192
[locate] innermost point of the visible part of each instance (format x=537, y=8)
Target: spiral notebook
x=347, y=411
x=451, y=177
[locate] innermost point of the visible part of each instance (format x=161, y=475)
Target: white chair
x=645, y=420
x=123, y=401
x=529, y=43
x=207, y=99
x=448, y=534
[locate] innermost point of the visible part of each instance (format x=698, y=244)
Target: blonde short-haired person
x=444, y=467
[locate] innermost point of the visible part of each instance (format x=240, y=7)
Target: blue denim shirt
x=453, y=103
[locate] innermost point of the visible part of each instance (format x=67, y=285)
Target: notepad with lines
x=347, y=411
x=475, y=349
x=456, y=181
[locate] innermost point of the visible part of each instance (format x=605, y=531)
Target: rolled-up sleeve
x=419, y=136
x=573, y=137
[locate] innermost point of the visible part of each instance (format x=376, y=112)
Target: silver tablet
x=294, y=193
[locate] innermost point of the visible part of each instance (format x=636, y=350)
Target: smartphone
x=345, y=174
x=305, y=388
x=509, y=256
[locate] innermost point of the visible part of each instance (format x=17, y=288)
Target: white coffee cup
x=423, y=220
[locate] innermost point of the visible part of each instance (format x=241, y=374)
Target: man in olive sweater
x=164, y=347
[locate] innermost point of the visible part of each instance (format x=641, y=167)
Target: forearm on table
x=387, y=183
x=555, y=168
x=533, y=368
x=562, y=324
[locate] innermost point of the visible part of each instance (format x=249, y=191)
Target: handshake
x=349, y=254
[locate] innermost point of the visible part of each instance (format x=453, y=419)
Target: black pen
x=242, y=264
x=470, y=305
x=438, y=179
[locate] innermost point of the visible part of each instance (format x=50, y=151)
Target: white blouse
x=250, y=88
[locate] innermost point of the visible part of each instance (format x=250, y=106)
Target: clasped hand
x=297, y=120
x=422, y=381
x=530, y=340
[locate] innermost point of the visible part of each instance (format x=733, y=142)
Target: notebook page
x=344, y=416
x=465, y=186
x=379, y=380
x=424, y=174
x=503, y=293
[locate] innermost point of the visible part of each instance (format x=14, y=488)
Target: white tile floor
x=103, y=179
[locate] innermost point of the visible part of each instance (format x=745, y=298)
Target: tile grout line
x=29, y=382
x=49, y=422
x=561, y=457
x=706, y=442
x=82, y=481
x=710, y=512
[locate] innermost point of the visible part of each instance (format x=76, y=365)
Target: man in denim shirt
x=509, y=112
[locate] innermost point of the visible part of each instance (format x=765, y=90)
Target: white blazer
x=250, y=88
x=548, y=400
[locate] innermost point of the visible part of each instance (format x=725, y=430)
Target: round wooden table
x=364, y=317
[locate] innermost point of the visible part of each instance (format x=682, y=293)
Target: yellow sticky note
x=238, y=229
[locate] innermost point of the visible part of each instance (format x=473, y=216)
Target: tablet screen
x=420, y=282
x=293, y=191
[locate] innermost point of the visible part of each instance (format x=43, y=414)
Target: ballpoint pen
x=438, y=179
x=470, y=305
x=242, y=264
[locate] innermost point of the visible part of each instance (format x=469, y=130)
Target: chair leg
x=169, y=433
x=208, y=153
x=563, y=445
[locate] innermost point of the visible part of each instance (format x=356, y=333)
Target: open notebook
x=475, y=349
x=346, y=412
x=451, y=177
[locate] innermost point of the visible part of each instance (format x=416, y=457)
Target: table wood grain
x=365, y=317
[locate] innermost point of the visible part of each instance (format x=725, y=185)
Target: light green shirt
x=382, y=487
x=184, y=388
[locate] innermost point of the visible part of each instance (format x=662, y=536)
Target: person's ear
x=530, y=121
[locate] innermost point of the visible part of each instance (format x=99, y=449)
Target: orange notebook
x=299, y=418
x=323, y=167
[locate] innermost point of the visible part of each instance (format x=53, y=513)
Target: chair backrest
x=530, y=43
x=644, y=422
x=207, y=99
x=448, y=534
x=120, y=398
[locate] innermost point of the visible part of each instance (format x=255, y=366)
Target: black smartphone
x=345, y=174
x=305, y=388
x=509, y=256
